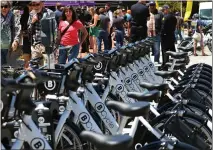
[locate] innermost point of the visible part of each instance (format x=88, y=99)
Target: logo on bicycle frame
x=84, y=118
x=50, y=85
x=37, y=143
x=98, y=66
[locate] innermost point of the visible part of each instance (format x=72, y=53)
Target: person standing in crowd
x=94, y=28
x=85, y=21
x=167, y=34
x=69, y=43
x=110, y=15
x=118, y=25
x=154, y=29
x=198, y=34
x=26, y=40
x=10, y=31
x=104, y=30
x=140, y=16
x=179, y=25
x=58, y=13
x=34, y=28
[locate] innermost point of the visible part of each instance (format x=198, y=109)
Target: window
x=206, y=14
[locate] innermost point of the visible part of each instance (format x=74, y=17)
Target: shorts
x=94, y=31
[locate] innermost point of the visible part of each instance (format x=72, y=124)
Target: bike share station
x=112, y=101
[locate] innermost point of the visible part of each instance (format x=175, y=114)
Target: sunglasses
x=5, y=6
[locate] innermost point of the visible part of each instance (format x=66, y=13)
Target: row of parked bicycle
x=108, y=101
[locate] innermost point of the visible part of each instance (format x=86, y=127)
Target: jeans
x=156, y=48
x=119, y=36
x=102, y=36
x=69, y=53
x=4, y=56
x=178, y=33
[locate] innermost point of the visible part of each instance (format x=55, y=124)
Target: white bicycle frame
x=91, y=95
x=30, y=133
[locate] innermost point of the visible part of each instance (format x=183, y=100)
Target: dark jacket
x=169, y=22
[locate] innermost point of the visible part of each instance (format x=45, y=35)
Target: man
x=178, y=26
x=104, y=30
x=140, y=15
x=10, y=31
x=34, y=22
x=110, y=15
x=58, y=13
x=154, y=29
x=167, y=34
x=86, y=18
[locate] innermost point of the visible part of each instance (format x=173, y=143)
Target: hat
x=152, y=3
x=165, y=6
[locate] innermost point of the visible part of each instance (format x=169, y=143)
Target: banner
x=156, y=2
x=188, y=10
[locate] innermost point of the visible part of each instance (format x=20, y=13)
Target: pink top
x=71, y=35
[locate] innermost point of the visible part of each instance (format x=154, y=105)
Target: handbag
x=62, y=33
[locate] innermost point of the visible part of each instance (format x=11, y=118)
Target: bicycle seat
x=185, y=49
x=177, y=65
x=176, y=54
x=130, y=109
x=150, y=96
x=107, y=142
x=150, y=86
x=167, y=74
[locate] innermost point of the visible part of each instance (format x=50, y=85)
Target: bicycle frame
x=30, y=133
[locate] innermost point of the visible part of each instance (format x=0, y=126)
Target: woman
x=198, y=35
x=118, y=24
x=26, y=40
x=94, y=28
x=69, y=42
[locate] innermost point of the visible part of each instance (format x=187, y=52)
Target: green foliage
x=174, y=5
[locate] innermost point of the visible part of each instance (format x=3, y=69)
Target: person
x=198, y=34
x=94, y=28
x=140, y=15
x=110, y=15
x=167, y=34
x=69, y=43
x=118, y=25
x=86, y=18
x=10, y=31
x=178, y=26
x=104, y=30
x=58, y=12
x=26, y=40
x=154, y=29
x=34, y=28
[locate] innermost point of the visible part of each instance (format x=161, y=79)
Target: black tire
x=72, y=130
x=192, y=120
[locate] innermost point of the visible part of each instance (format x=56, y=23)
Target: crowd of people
x=90, y=28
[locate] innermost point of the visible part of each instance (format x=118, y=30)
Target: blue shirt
x=128, y=17
x=58, y=14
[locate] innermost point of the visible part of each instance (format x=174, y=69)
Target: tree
x=174, y=5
